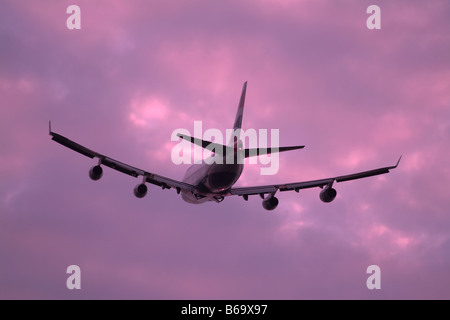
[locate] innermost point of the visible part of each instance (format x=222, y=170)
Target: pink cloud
x=357, y=99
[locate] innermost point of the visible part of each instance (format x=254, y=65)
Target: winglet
x=396, y=165
x=50, y=127
x=398, y=161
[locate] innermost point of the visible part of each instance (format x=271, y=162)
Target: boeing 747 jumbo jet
x=213, y=182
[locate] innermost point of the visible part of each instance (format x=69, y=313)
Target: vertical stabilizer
x=240, y=110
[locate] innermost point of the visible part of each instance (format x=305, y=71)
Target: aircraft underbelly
x=215, y=183
x=222, y=177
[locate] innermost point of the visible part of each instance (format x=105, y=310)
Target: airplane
x=214, y=182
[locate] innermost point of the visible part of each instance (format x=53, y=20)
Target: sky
x=135, y=72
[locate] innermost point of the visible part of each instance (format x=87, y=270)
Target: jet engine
x=270, y=203
x=96, y=172
x=328, y=194
x=140, y=190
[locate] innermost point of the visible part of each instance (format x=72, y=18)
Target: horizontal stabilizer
x=220, y=148
x=205, y=144
x=261, y=151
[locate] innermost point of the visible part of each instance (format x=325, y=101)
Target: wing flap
x=253, y=190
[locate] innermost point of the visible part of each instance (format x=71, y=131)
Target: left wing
x=296, y=186
x=163, y=182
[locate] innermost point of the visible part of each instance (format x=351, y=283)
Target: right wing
x=163, y=182
x=296, y=186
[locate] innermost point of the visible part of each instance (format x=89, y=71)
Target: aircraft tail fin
x=235, y=138
x=235, y=143
x=240, y=110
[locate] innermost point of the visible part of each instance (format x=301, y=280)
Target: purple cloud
x=356, y=98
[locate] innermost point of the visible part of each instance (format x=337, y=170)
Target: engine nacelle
x=328, y=194
x=140, y=190
x=96, y=172
x=270, y=203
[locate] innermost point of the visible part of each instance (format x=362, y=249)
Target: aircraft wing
x=296, y=186
x=163, y=182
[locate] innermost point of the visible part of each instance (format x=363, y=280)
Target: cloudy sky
x=135, y=72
